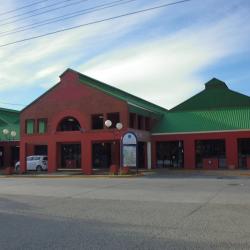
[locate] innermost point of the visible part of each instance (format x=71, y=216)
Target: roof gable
x=216, y=95
x=134, y=102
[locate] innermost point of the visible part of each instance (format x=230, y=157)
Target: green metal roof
x=204, y=120
x=136, y=104
x=9, y=119
x=215, y=96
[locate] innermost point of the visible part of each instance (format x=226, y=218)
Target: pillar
x=115, y=153
x=86, y=156
x=30, y=149
x=153, y=155
x=7, y=155
x=149, y=163
x=189, y=154
x=52, y=156
x=23, y=154
x=232, y=153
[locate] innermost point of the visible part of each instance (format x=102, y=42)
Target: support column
x=86, y=148
x=232, y=153
x=189, y=154
x=149, y=165
x=52, y=156
x=23, y=154
x=115, y=153
x=153, y=155
x=7, y=155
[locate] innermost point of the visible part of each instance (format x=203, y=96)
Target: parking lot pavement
x=136, y=213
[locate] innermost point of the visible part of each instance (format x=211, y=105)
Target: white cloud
x=163, y=68
x=166, y=71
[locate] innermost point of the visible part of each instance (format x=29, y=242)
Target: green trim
x=121, y=95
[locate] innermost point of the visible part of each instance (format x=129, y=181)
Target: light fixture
x=108, y=123
x=5, y=131
x=13, y=133
x=119, y=126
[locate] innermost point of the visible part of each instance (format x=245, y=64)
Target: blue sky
x=164, y=56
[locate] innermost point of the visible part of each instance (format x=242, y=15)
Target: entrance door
x=71, y=156
x=101, y=155
x=142, y=155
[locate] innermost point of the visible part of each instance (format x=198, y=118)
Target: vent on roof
x=215, y=83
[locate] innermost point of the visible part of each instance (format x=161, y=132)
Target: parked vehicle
x=35, y=163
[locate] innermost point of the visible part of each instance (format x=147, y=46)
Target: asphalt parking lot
x=125, y=213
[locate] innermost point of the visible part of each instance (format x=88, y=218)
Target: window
x=97, y=121
x=132, y=120
x=140, y=122
x=30, y=126
x=69, y=124
x=42, y=126
x=114, y=118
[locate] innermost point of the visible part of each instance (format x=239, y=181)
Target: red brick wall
x=72, y=98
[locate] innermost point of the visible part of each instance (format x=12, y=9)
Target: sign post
x=129, y=152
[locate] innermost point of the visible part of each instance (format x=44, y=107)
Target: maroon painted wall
x=189, y=145
x=70, y=98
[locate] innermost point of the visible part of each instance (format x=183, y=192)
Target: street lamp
x=12, y=133
x=118, y=126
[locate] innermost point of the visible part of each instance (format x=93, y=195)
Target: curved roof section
x=216, y=95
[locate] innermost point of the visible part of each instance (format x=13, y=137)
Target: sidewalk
x=198, y=172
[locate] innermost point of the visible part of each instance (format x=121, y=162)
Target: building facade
x=211, y=130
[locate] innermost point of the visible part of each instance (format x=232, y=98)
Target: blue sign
x=129, y=150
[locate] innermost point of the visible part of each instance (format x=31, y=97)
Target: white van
x=35, y=163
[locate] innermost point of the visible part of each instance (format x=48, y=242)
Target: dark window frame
x=98, y=124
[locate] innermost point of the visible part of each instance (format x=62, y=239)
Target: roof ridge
x=121, y=91
x=9, y=110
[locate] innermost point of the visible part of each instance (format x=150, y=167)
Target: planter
x=125, y=170
x=8, y=171
x=114, y=169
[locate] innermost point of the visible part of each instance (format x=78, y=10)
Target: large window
x=30, y=126
x=114, y=118
x=210, y=149
x=97, y=121
x=42, y=126
x=69, y=124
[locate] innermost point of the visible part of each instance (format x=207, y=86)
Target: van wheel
x=39, y=169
